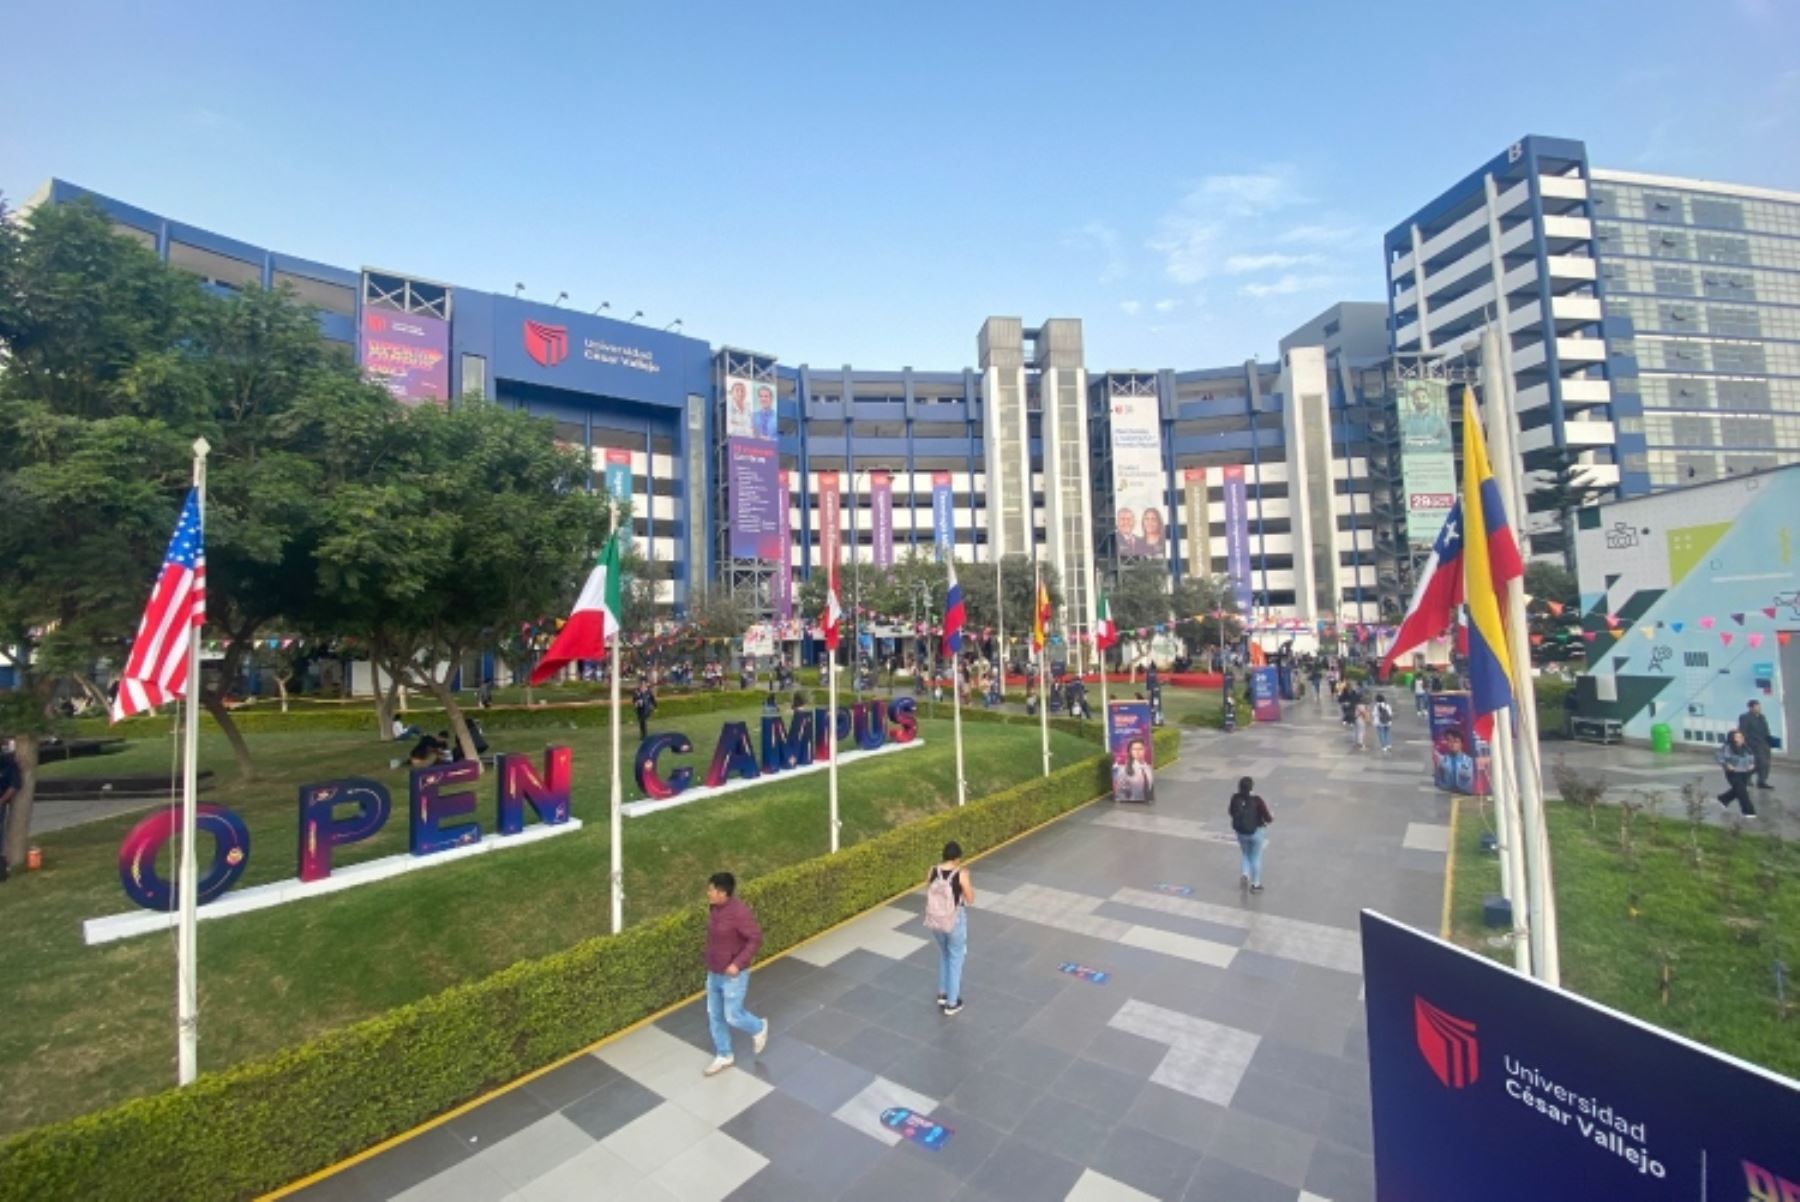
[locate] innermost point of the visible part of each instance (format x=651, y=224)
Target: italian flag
x=595, y=621
x=1105, y=633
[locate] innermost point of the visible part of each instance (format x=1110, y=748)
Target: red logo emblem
x=1447, y=1043
x=547, y=344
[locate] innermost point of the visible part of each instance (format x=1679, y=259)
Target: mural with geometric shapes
x=1690, y=600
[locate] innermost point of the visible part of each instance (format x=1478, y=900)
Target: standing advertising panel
x=1427, y=457
x=408, y=354
x=1459, y=757
x=784, y=560
x=828, y=520
x=1139, y=517
x=1265, y=694
x=1133, y=752
x=618, y=475
x=755, y=523
x=750, y=409
x=943, y=516
x=881, y=503
x=1198, y=513
x=1485, y=1084
x=1237, y=537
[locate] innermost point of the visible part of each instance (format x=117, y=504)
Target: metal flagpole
x=832, y=716
x=1105, y=710
x=618, y=792
x=1000, y=608
x=1506, y=796
x=962, y=785
x=1043, y=666
x=187, y=985
x=1540, y=890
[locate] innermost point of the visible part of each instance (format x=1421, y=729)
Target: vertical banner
x=755, y=528
x=1265, y=694
x=618, y=476
x=1459, y=758
x=750, y=409
x=1133, y=753
x=408, y=354
x=881, y=502
x=1139, y=517
x=1484, y=1083
x=1427, y=458
x=828, y=520
x=1198, y=512
x=1237, y=537
x=784, y=558
x=943, y=516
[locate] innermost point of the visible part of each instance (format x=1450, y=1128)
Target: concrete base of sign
x=278, y=893
x=637, y=809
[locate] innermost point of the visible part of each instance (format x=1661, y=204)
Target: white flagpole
x=1105, y=709
x=962, y=785
x=618, y=795
x=1043, y=668
x=187, y=985
x=832, y=708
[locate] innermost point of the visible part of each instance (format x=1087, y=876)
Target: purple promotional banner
x=408, y=353
x=943, y=516
x=755, y=489
x=881, y=502
x=1459, y=757
x=784, y=563
x=1485, y=1084
x=1265, y=698
x=1237, y=537
x=1133, y=754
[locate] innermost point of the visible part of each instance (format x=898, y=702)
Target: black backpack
x=1246, y=813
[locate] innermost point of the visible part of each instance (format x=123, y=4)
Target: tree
x=1142, y=597
x=98, y=404
x=716, y=613
x=1196, y=601
x=478, y=524
x=1551, y=582
x=1017, y=585
x=1562, y=487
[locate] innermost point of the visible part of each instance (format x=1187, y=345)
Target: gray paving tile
x=1098, y=1087
x=611, y=1107
x=1146, y=1161
x=827, y=1029
x=1060, y=1126
x=874, y=1048
x=1022, y=1172
x=1217, y=1180
x=1341, y=1174
x=782, y=1059
x=1271, y=1150
x=1283, y=1101
x=774, y=1184
x=1029, y=1060
x=405, y=1165
x=1294, y=1063
x=1175, y=1116
x=971, y=1143
x=826, y=1082
x=933, y=1071
x=995, y=1099
x=805, y=1145
x=497, y=1118
x=1348, y=1124
x=869, y=1002
x=1133, y=1054
x=904, y=1174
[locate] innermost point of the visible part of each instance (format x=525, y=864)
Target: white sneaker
x=719, y=1064
x=760, y=1040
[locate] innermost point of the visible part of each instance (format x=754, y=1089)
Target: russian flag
x=953, y=615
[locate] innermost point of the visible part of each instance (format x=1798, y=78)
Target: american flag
x=157, y=668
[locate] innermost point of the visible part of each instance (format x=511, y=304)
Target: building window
x=214, y=268
x=474, y=376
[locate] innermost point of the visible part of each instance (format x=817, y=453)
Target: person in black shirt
x=10, y=783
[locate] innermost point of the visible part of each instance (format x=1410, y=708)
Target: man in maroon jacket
x=732, y=940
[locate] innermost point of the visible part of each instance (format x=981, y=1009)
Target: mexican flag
x=595, y=622
x=1105, y=633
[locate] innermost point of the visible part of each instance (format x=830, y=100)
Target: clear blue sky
x=864, y=183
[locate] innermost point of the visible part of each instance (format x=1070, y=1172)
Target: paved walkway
x=1223, y=1058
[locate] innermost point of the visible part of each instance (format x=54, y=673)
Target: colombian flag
x=1490, y=560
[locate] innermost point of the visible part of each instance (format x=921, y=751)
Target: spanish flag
x=1490, y=560
x=1040, y=622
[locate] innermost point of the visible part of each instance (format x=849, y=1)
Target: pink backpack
x=940, y=902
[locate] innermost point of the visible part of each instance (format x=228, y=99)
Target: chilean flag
x=1440, y=591
x=953, y=615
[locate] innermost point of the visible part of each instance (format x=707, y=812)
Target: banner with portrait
x=1128, y=732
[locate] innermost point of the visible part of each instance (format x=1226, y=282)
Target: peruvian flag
x=1440, y=592
x=1105, y=633
x=595, y=621
x=834, y=612
x=953, y=615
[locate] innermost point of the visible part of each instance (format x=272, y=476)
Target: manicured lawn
x=1719, y=928
x=85, y=1027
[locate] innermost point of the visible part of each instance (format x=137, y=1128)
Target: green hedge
x=260, y=1125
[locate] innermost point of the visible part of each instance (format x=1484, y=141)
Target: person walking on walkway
x=1739, y=762
x=1755, y=727
x=732, y=941
x=1250, y=819
x=948, y=895
x=1419, y=693
x=1384, y=724
x=1359, y=714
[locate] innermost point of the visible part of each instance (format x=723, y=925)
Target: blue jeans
x=953, y=946
x=1252, y=848
x=725, y=1009
x=1385, y=734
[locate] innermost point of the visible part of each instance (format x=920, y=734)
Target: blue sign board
x=1265, y=701
x=1486, y=1084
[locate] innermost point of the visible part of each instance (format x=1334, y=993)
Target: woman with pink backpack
x=948, y=894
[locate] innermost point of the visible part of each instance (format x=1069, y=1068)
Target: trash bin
x=1661, y=740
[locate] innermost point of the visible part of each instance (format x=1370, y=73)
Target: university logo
x=1447, y=1043
x=547, y=344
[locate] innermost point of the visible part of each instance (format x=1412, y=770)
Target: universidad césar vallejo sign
x=441, y=812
